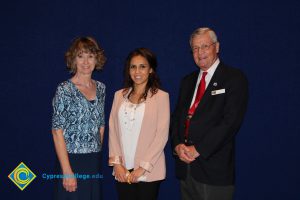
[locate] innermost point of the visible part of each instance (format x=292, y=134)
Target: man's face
x=205, y=52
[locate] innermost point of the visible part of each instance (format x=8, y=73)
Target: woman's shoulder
x=162, y=93
x=100, y=84
x=64, y=83
x=64, y=86
x=120, y=92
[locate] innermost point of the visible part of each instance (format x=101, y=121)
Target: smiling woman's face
x=139, y=70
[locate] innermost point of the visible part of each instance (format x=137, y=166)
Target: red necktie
x=199, y=94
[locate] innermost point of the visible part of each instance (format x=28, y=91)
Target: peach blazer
x=152, y=139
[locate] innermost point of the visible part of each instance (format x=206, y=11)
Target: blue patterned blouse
x=79, y=118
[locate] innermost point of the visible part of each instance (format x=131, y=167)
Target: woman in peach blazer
x=138, y=129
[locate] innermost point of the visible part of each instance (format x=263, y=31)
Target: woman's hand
x=133, y=177
x=120, y=173
x=70, y=182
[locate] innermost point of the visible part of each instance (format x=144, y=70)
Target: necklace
x=130, y=113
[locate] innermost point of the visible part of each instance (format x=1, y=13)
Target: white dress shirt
x=210, y=73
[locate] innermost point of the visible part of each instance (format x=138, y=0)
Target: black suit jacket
x=214, y=125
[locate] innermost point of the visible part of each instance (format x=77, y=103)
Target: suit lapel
x=210, y=87
x=191, y=89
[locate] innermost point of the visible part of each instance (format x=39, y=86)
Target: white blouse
x=130, y=117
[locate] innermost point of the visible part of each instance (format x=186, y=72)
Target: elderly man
x=209, y=112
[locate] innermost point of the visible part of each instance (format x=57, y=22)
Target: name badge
x=216, y=92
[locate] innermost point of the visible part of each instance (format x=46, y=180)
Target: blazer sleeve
x=162, y=130
x=115, y=153
x=234, y=110
x=175, y=120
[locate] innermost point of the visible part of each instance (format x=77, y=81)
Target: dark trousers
x=138, y=191
x=194, y=190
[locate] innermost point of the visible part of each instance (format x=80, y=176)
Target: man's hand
x=192, y=151
x=184, y=153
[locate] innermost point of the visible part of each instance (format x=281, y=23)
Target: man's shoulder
x=190, y=76
x=231, y=72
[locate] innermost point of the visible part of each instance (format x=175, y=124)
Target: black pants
x=194, y=190
x=138, y=191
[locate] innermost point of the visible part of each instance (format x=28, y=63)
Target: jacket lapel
x=210, y=87
x=191, y=89
x=149, y=113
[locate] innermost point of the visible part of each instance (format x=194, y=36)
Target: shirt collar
x=213, y=68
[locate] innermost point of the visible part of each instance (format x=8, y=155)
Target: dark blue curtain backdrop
x=258, y=36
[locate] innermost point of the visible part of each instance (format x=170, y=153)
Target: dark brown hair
x=84, y=44
x=153, y=83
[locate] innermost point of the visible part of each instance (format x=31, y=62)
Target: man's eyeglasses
x=203, y=47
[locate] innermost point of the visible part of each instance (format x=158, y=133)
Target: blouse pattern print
x=79, y=118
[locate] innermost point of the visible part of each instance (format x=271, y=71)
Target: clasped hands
x=123, y=175
x=186, y=153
